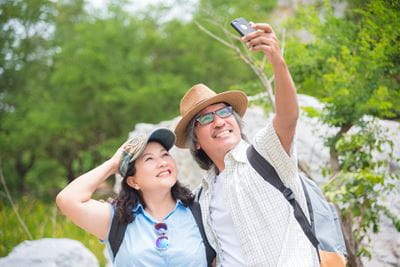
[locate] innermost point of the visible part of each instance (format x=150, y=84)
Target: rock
x=50, y=252
x=385, y=245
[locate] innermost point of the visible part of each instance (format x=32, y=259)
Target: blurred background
x=77, y=76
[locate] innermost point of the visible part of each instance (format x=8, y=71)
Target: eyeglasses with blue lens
x=207, y=118
x=162, y=242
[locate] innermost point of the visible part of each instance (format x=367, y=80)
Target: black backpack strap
x=265, y=169
x=198, y=194
x=309, y=206
x=196, y=211
x=310, y=211
x=116, y=235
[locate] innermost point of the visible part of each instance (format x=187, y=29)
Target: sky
x=182, y=9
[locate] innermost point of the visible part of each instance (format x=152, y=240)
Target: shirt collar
x=139, y=207
x=236, y=153
x=179, y=203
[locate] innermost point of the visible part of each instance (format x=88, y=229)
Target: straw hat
x=199, y=97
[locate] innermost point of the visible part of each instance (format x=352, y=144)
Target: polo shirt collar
x=139, y=207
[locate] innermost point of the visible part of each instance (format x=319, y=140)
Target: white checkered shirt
x=267, y=230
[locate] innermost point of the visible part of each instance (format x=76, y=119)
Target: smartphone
x=242, y=26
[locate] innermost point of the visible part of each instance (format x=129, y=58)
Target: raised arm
x=287, y=109
x=76, y=203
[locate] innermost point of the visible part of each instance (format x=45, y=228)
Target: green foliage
x=363, y=181
x=224, y=10
x=72, y=89
x=216, y=16
x=356, y=150
x=43, y=221
x=352, y=64
x=393, y=217
x=186, y=51
x=311, y=112
x=71, y=94
x=23, y=81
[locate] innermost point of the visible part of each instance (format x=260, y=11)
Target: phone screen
x=242, y=26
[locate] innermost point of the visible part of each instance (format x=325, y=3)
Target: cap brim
x=164, y=136
x=237, y=99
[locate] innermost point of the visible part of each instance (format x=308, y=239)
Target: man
x=247, y=221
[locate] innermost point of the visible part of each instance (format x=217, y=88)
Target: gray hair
x=200, y=155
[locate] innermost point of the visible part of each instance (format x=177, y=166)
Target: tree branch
x=245, y=57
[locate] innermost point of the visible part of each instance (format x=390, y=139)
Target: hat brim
x=237, y=99
x=164, y=136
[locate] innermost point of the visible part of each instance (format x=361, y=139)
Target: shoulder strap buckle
x=288, y=193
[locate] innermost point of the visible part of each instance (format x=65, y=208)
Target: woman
x=161, y=229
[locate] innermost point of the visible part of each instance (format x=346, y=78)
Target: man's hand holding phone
x=259, y=37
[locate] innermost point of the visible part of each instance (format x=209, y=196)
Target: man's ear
x=198, y=146
x=131, y=182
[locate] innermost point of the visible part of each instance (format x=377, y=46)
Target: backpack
x=118, y=228
x=324, y=230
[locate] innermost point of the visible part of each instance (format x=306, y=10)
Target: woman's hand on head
x=116, y=158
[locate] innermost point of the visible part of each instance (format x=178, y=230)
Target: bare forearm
x=76, y=202
x=287, y=109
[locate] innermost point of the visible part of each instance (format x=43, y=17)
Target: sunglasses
x=162, y=242
x=207, y=118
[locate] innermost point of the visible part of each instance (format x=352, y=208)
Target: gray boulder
x=50, y=252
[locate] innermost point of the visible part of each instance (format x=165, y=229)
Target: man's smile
x=221, y=134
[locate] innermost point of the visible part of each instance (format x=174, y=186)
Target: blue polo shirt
x=186, y=247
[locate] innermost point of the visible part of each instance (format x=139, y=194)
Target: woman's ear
x=131, y=182
x=198, y=146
